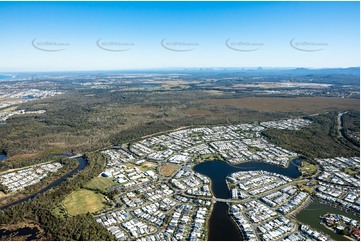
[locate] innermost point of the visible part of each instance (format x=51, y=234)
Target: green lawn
x=196, y=134
x=100, y=183
x=83, y=201
x=351, y=170
x=307, y=167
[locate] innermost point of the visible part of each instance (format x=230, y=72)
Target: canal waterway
x=221, y=226
x=311, y=216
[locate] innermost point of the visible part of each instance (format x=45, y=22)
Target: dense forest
x=319, y=140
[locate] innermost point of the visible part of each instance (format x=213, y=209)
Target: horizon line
x=179, y=68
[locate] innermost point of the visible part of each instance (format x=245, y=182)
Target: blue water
x=221, y=227
x=28, y=97
x=2, y=157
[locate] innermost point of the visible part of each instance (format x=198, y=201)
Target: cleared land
x=278, y=104
x=100, y=183
x=83, y=201
x=149, y=164
x=168, y=169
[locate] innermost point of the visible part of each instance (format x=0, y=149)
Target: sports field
x=100, y=183
x=83, y=201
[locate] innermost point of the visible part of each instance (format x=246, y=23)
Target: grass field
x=308, y=168
x=351, y=170
x=100, y=183
x=168, y=169
x=307, y=187
x=212, y=156
x=83, y=201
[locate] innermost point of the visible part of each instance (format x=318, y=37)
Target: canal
x=311, y=216
x=221, y=226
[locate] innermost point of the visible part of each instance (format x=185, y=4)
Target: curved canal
x=82, y=164
x=221, y=226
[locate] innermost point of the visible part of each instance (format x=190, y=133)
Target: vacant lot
x=277, y=104
x=168, y=169
x=83, y=201
x=100, y=183
x=148, y=164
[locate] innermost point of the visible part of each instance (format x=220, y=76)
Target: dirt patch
x=278, y=104
x=149, y=164
x=11, y=197
x=168, y=169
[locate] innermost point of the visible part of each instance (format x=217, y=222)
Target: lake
x=221, y=226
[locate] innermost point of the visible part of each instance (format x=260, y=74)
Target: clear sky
x=267, y=34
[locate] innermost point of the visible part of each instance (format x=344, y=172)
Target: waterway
x=82, y=164
x=221, y=226
x=2, y=156
x=311, y=216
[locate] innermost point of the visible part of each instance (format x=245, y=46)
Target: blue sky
x=325, y=34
